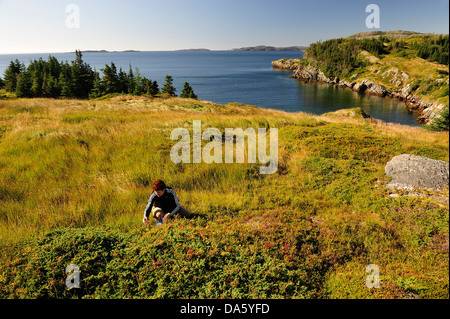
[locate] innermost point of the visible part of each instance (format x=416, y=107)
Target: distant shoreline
x=271, y=48
x=249, y=49
x=105, y=51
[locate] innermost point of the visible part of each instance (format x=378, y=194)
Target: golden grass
x=75, y=164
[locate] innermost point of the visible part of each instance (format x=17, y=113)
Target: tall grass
x=84, y=169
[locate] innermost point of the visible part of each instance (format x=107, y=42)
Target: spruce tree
x=155, y=88
x=130, y=81
x=168, y=87
x=188, y=92
x=110, y=79
x=36, y=86
x=50, y=87
x=53, y=67
x=138, y=85
x=97, y=90
x=82, y=76
x=23, y=87
x=192, y=95
x=11, y=73
x=123, y=81
x=64, y=84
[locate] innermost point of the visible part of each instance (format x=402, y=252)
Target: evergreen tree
x=2, y=84
x=150, y=87
x=188, y=92
x=44, y=85
x=11, y=73
x=64, y=84
x=147, y=84
x=77, y=79
x=97, y=90
x=36, y=86
x=23, y=87
x=155, y=89
x=53, y=67
x=130, y=81
x=138, y=83
x=81, y=76
x=110, y=79
x=123, y=82
x=168, y=87
x=36, y=73
x=50, y=87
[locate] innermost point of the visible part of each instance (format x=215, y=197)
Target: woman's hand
x=144, y=220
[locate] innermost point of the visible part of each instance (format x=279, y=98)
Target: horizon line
x=206, y=49
x=137, y=51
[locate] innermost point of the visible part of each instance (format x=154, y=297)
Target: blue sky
x=39, y=26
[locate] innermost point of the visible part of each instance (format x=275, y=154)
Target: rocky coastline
x=427, y=110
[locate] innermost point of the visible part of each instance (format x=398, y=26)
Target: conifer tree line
x=434, y=49
x=340, y=57
x=77, y=79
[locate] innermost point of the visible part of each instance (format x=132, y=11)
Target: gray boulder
x=411, y=171
x=375, y=89
x=311, y=73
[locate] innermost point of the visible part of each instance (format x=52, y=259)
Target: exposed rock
x=434, y=111
x=396, y=76
x=427, y=111
x=359, y=87
x=375, y=89
x=406, y=91
x=286, y=64
x=353, y=113
x=412, y=171
x=346, y=84
x=311, y=73
x=369, y=57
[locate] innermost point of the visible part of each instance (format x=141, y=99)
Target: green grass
x=76, y=176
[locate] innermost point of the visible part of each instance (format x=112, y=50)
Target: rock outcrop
x=353, y=113
x=286, y=64
x=411, y=171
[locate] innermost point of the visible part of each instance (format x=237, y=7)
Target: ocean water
x=237, y=76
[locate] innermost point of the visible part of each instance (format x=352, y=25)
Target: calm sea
x=243, y=77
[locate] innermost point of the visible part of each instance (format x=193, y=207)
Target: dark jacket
x=168, y=202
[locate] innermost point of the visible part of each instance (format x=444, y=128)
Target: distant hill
x=105, y=51
x=271, y=48
x=394, y=35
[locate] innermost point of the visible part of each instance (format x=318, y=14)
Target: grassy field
x=75, y=177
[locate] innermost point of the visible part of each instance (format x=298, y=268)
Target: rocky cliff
x=427, y=110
